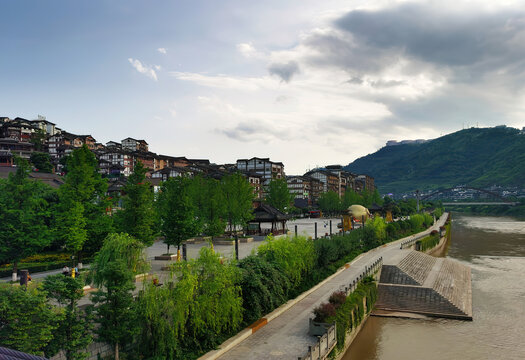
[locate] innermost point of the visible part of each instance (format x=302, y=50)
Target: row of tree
x=78, y=216
x=203, y=302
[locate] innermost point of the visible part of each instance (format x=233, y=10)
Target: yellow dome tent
x=358, y=212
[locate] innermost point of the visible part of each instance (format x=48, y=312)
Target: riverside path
x=285, y=336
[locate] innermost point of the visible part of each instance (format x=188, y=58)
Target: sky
x=307, y=83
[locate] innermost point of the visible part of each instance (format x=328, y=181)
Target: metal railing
x=369, y=270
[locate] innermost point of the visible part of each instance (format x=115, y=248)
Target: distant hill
x=477, y=157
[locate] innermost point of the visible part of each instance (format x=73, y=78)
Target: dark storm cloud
x=434, y=35
x=438, y=36
x=477, y=57
x=284, y=70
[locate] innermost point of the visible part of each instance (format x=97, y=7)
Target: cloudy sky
x=300, y=81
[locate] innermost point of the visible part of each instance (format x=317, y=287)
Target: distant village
x=22, y=137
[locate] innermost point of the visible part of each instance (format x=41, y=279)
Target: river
x=494, y=248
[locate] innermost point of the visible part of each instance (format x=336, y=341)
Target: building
x=329, y=180
x=268, y=170
x=367, y=181
x=47, y=126
x=131, y=144
x=63, y=143
x=115, y=162
x=10, y=147
x=171, y=172
x=255, y=181
x=305, y=189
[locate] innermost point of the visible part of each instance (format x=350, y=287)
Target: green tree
x=330, y=203
x=278, y=195
x=37, y=139
x=82, y=222
x=27, y=321
x=42, y=161
x=177, y=212
x=350, y=198
x=210, y=210
x=138, y=216
x=114, y=306
x=25, y=216
x=74, y=332
x=238, y=199
x=113, y=269
x=181, y=320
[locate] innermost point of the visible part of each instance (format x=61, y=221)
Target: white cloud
x=222, y=81
x=162, y=50
x=144, y=69
x=248, y=51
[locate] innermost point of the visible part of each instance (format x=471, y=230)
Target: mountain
x=477, y=157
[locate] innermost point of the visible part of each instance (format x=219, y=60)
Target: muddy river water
x=494, y=248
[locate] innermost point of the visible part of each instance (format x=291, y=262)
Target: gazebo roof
x=267, y=213
x=375, y=207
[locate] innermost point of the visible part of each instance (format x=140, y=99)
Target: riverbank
x=494, y=248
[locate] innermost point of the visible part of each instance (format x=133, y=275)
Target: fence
x=327, y=342
x=408, y=243
x=324, y=345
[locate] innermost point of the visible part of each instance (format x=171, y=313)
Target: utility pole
x=417, y=197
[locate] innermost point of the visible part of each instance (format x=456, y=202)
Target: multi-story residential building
x=171, y=172
x=113, y=144
x=11, y=147
x=263, y=166
x=329, y=180
x=47, y=126
x=18, y=129
x=148, y=159
x=255, y=181
x=367, y=181
x=131, y=144
x=306, y=189
x=115, y=162
x=63, y=143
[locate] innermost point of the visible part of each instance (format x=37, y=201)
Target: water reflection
x=495, y=250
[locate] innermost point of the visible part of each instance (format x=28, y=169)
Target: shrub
x=324, y=312
x=264, y=287
x=337, y=298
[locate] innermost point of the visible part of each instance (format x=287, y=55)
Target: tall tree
x=278, y=195
x=119, y=259
x=238, y=199
x=138, y=216
x=37, y=139
x=177, y=212
x=27, y=320
x=73, y=334
x=25, y=216
x=82, y=220
x=41, y=161
x=330, y=203
x=207, y=196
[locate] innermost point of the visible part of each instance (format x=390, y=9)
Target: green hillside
x=477, y=157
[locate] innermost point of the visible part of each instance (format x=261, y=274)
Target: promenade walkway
x=286, y=335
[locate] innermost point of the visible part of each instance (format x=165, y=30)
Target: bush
x=337, y=298
x=294, y=256
x=264, y=287
x=324, y=312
